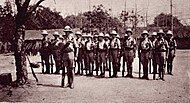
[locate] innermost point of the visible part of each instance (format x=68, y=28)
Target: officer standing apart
x=114, y=52
x=69, y=55
x=144, y=49
x=161, y=47
x=129, y=49
x=172, y=51
x=45, y=52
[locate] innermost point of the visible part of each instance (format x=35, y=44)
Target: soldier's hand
x=75, y=58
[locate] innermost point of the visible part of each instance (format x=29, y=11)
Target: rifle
x=123, y=71
x=139, y=64
x=109, y=63
x=33, y=73
x=51, y=60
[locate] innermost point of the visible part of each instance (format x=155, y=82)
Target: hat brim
x=68, y=31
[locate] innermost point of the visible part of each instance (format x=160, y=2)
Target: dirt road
x=175, y=89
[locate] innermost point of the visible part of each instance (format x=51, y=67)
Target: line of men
x=98, y=52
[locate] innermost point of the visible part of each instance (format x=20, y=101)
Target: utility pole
x=171, y=11
x=135, y=24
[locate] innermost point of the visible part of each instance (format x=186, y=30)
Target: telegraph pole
x=171, y=11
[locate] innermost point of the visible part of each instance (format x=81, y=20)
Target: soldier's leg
x=70, y=74
x=47, y=65
x=42, y=61
x=63, y=76
x=130, y=68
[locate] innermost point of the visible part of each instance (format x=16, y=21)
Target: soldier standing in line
x=153, y=54
x=95, y=41
x=144, y=49
x=120, y=55
x=89, y=55
x=161, y=47
x=114, y=52
x=80, y=54
x=171, y=52
x=107, y=42
x=129, y=49
x=102, y=50
x=56, y=52
x=45, y=52
x=69, y=55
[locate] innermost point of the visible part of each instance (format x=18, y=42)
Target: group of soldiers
x=98, y=52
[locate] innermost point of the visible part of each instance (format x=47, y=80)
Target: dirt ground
x=175, y=89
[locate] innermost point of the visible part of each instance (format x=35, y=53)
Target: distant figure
x=171, y=52
x=45, y=52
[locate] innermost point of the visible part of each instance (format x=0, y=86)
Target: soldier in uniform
x=95, y=41
x=129, y=49
x=45, y=52
x=89, y=55
x=153, y=54
x=80, y=55
x=107, y=42
x=69, y=55
x=56, y=52
x=161, y=47
x=102, y=50
x=144, y=49
x=171, y=52
x=114, y=52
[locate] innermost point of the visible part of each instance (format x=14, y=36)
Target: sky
x=181, y=8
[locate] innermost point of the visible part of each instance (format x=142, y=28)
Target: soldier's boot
x=43, y=67
x=81, y=68
x=63, y=77
x=162, y=74
x=168, y=68
x=47, y=69
x=131, y=72
x=97, y=68
x=70, y=74
x=128, y=72
x=123, y=71
x=109, y=69
x=104, y=69
x=171, y=68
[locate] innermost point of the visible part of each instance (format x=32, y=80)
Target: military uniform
x=102, y=50
x=129, y=49
x=107, y=42
x=89, y=56
x=56, y=52
x=171, y=52
x=154, y=54
x=45, y=53
x=69, y=54
x=161, y=47
x=114, y=53
x=144, y=48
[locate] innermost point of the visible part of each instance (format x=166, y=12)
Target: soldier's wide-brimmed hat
x=169, y=32
x=78, y=33
x=68, y=29
x=145, y=32
x=161, y=32
x=117, y=36
x=101, y=35
x=107, y=35
x=128, y=30
x=44, y=32
x=154, y=33
x=55, y=33
x=89, y=36
x=113, y=32
x=95, y=35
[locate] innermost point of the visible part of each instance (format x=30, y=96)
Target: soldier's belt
x=89, y=51
x=114, y=48
x=127, y=48
x=145, y=51
x=161, y=51
x=101, y=50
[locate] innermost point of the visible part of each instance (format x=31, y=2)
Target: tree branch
x=18, y=3
x=36, y=5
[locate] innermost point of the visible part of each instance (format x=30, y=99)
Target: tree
x=19, y=50
x=164, y=20
x=44, y=18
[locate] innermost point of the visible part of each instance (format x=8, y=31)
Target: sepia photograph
x=95, y=51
